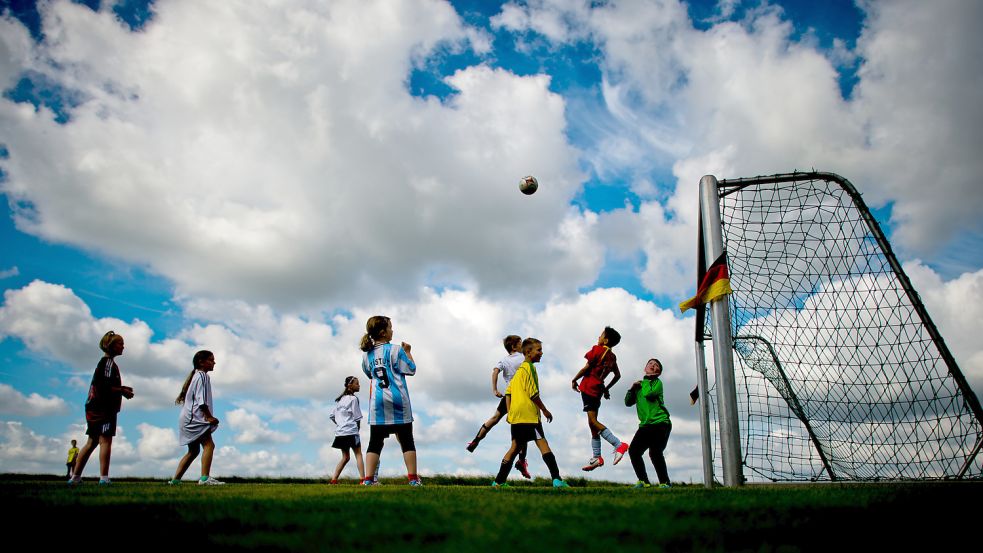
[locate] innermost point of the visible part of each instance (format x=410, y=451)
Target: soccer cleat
x=641, y=485
x=75, y=481
x=523, y=466
x=332, y=482
x=557, y=483
x=502, y=485
x=209, y=481
x=594, y=463
x=173, y=482
x=471, y=446
x=104, y=482
x=665, y=486
x=368, y=482
x=416, y=482
x=619, y=452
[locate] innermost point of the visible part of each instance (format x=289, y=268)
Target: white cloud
x=13, y=402
x=11, y=272
x=282, y=160
x=157, y=443
x=253, y=430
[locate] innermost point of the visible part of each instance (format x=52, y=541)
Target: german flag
x=715, y=283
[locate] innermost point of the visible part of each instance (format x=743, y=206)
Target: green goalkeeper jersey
x=648, y=401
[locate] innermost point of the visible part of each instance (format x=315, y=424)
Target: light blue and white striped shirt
x=389, y=399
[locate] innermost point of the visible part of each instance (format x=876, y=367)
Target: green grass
x=458, y=514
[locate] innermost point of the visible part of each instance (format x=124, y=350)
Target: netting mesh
x=837, y=376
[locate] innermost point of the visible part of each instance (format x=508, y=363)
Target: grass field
x=453, y=514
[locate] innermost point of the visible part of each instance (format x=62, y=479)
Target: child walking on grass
x=197, y=423
x=524, y=406
x=106, y=393
x=347, y=416
x=653, y=425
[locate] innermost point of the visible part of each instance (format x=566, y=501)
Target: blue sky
x=179, y=174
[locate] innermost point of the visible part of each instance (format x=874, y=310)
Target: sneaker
x=665, y=486
x=471, y=446
x=173, y=482
x=557, y=483
x=641, y=485
x=594, y=463
x=209, y=481
x=370, y=482
x=75, y=481
x=105, y=482
x=332, y=482
x=523, y=466
x=502, y=485
x=619, y=452
x=416, y=482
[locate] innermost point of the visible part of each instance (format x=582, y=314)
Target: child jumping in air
x=106, y=393
x=507, y=366
x=387, y=367
x=347, y=416
x=653, y=425
x=601, y=362
x=524, y=406
x=197, y=422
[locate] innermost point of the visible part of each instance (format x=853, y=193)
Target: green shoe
x=557, y=483
x=173, y=482
x=502, y=485
x=641, y=485
x=665, y=486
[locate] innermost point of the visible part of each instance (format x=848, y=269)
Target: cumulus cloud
x=13, y=402
x=156, y=442
x=250, y=429
x=283, y=159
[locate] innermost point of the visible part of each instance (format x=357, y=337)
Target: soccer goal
x=827, y=365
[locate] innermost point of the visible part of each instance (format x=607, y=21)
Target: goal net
x=840, y=374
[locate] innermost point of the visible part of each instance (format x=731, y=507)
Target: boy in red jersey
x=601, y=362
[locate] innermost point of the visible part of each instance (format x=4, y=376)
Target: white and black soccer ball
x=528, y=185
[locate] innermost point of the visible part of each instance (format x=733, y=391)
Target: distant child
x=524, y=406
x=73, y=452
x=106, y=393
x=347, y=416
x=601, y=362
x=653, y=425
x=507, y=366
x=197, y=422
x=389, y=399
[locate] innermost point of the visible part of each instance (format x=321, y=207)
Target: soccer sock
x=610, y=437
x=595, y=446
x=550, y=461
x=482, y=432
x=503, y=471
x=412, y=477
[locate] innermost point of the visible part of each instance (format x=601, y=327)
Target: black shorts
x=379, y=432
x=525, y=433
x=101, y=428
x=591, y=403
x=347, y=442
x=502, y=408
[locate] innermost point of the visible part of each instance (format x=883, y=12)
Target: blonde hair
x=374, y=328
x=528, y=344
x=108, y=339
x=197, y=360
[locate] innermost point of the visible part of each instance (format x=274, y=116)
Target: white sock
x=595, y=445
x=610, y=437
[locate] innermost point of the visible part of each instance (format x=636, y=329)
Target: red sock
x=412, y=477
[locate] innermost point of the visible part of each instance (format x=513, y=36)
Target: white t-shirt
x=508, y=366
x=192, y=422
x=346, y=415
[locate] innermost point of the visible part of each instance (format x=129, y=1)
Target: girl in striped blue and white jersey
x=389, y=407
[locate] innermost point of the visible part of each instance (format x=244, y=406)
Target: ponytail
x=195, y=362
x=349, y=380
x=374, y=328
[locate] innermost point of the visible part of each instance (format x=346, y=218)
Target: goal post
x=827, y=365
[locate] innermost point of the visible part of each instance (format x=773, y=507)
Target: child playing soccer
x=347, y=415
x=197, y=422
x=73, y=452
x=106, y=393
x=389, y=399
x=524, y=406
x=507, y=366
x=653, y=425
x=601, y=362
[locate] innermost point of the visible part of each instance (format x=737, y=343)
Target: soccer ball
x=528, y=185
